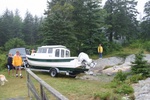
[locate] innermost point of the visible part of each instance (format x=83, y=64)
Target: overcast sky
x=37, y=7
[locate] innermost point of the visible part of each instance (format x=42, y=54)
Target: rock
x=142, y=90
x=102, y=63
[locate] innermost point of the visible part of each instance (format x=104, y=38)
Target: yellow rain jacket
x=17, y=61
x=100, y=49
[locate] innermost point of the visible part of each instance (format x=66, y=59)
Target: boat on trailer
x=56, y=59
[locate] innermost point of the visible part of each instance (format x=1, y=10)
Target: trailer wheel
x=73, y=75
x=53, y=72
x=27, y=65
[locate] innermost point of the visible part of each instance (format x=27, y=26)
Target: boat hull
x=63, y=64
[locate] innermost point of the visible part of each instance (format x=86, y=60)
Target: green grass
x=75, y=89
x=72, y=88
x=15, y=87
x=125, y=52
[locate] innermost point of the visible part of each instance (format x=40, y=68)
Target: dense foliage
x=13, y=26
x=122, y=19
x=13, y=43
x=78, y=24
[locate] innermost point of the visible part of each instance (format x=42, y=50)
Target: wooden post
x=27, y=83
x=42, y=94
x=43, y=85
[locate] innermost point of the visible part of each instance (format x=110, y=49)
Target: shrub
x=102, y=96
x=124, y=89
x=136, y=44
x=14, y=43
x=146, y=46
x=120, y=76
x=113, y=84
x=135, y=78
x=110, y=47
x=3, y=61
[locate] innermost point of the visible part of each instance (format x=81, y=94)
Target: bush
x=102, y=96
x=110, y=47
x=124, y=89
x=14, y=43
x=120, y=76
x=146, y=46
x=136, y=44
x=3, y=62
x=135, y=78
x=115, y=84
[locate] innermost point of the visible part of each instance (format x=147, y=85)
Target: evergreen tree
x=27, y=30
x=140, y=65
x=36, y=30
x=79, y=22
x=122, y=19
x=6, y=26
x=88, y=17
x=12, y=26
x=58, y=28
x=16, y=30
x=145, y=25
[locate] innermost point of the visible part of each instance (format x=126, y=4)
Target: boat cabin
x=54, y=51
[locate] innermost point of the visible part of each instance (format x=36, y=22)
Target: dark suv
x=23, y=53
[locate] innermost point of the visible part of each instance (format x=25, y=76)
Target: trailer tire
x=27, y=65
x=53, y=72
x=72, y=75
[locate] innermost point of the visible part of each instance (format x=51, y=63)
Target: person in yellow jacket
x=100, y=50
x=17, y=62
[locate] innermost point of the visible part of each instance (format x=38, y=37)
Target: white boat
x=56, y=59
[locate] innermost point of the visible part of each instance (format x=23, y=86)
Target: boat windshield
x=42, y=50
x=62, y=53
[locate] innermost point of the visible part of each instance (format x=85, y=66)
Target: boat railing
x=44, y=88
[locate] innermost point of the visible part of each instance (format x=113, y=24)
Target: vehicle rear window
x=21, y=50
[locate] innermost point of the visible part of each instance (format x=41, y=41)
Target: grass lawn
x=72, y=88
x=14, y=88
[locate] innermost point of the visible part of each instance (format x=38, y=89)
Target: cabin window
x=50, y=50
x=44, y=50
x=39, y=50
x=57, y=53
x=67, y=54
x=62, y=53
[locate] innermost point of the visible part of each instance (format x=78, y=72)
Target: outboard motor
x=85, y=60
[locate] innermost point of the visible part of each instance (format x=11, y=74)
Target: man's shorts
x=10, y=67
x=17, y=67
